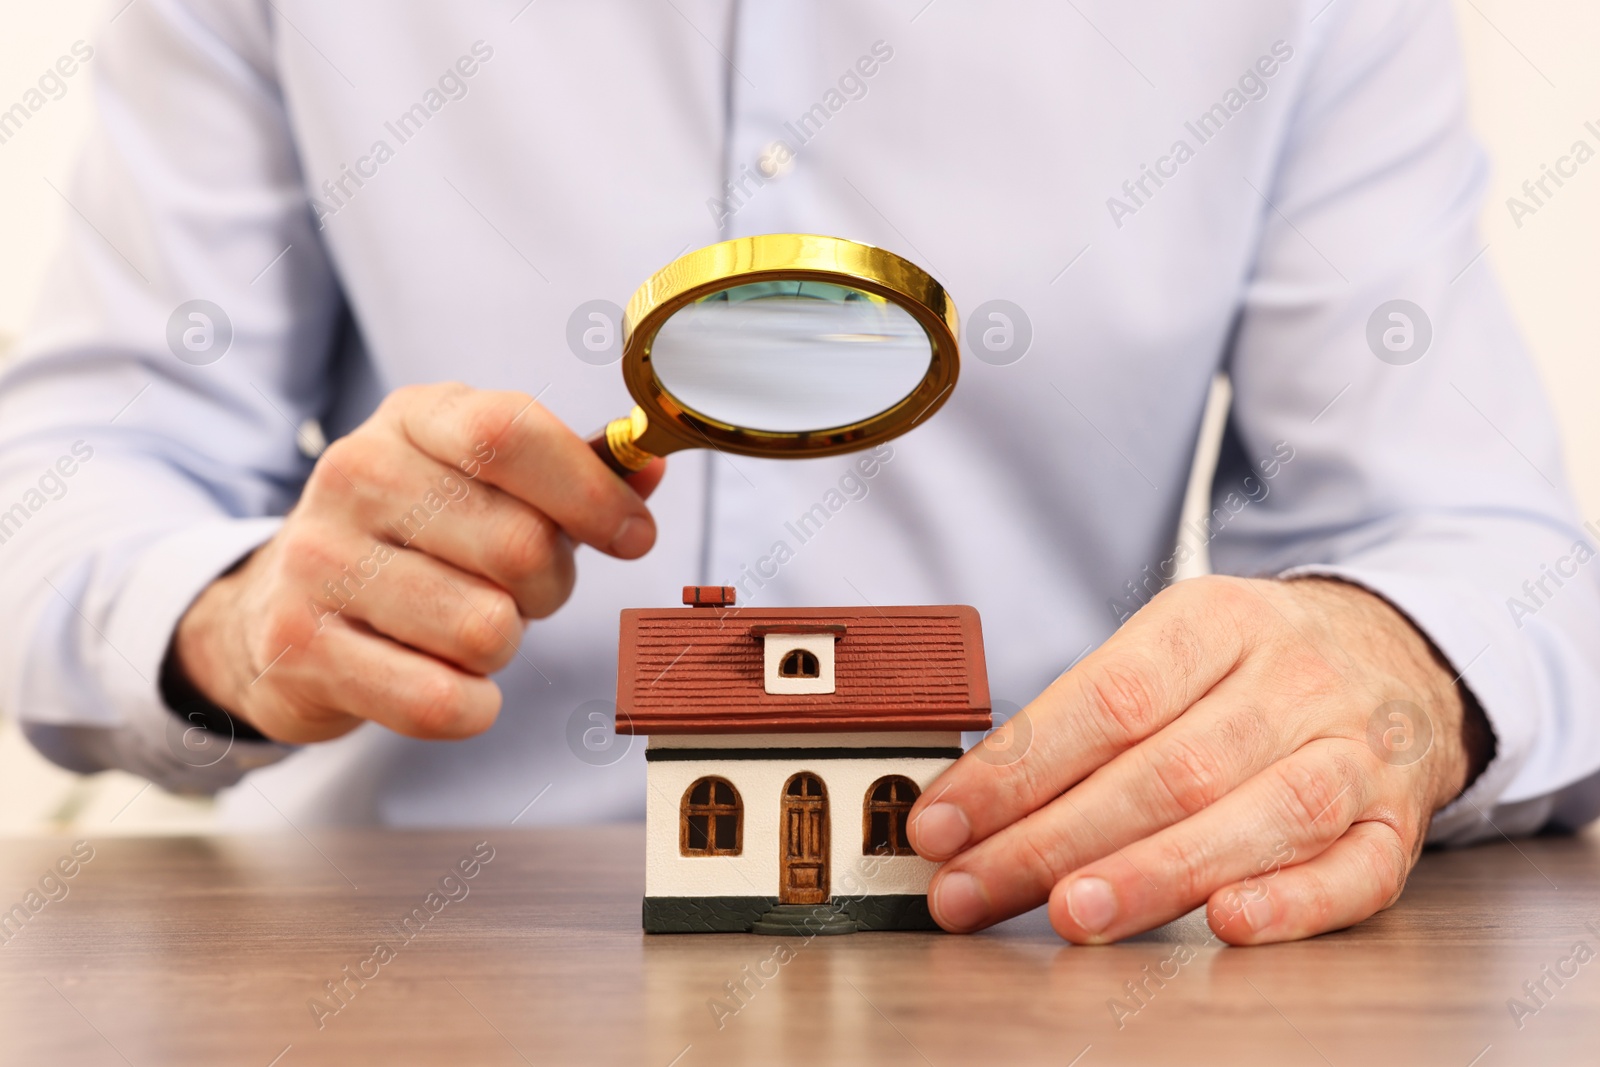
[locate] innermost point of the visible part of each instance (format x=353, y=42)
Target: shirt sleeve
x=1387, y=424
x=148, y=420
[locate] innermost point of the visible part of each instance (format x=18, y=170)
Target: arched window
x=887, y=809
x=712, y=819
x=799, y=663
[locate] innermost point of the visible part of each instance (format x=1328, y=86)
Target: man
x=292, y=215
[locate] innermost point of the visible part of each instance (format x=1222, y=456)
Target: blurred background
x=1533, y=82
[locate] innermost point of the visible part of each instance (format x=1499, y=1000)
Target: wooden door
x=803, y=862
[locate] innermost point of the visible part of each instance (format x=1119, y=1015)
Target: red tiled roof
x=701, y=670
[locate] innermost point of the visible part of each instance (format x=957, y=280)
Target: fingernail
x=1092, y=904
x=634, y=538
x=941, y=830
x=959, y=902
x=1258, y=913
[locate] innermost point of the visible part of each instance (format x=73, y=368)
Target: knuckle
x=1040, y=863
x=554, y=588
x=1313, y=678
x=305, y=553
x=1235, y=596
x=308, y=581
x=1248, y=610
x=356, y=459
x=1027, y=864
x=1183, y=876
x=1317, y=902
x=437, y=706
x=283, y=629
x=1194, y=776
x=1243, y=608
x=602, y=503
x=325, y=476
x=346, y=453
x=1183, y=636
x=1123, y=699
x=419, y=396
x=526, y=548
x=501, y=613
x=402, y=398
x=1032, y=778
x=1311, y=795
x=487, y=416
x=1182, y=597
x=482, y=634
x=299, y=549
x=1386, y=863
x=299, y=559
x=1251, y=732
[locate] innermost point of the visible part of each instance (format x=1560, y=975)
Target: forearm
x=1535, y=675
x=92, y=587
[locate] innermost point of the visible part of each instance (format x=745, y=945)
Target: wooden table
x=210, y=951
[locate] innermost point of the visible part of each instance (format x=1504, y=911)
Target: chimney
x=709, y=596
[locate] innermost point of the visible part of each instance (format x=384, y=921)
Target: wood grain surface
x=173, y=951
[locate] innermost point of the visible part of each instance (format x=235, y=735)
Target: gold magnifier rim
x=671, y=425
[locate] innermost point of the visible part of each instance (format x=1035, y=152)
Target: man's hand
x=402, y=578
x=1225, y=747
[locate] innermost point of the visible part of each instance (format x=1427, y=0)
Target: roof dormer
x=799, y=663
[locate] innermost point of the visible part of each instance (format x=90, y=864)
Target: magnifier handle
x=603, y=450
x=616, y=448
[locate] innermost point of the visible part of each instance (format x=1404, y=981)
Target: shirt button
x=775, y=160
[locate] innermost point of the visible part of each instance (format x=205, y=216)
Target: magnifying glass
x=782, y=345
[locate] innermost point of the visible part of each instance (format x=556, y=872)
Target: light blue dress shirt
x=377, y=194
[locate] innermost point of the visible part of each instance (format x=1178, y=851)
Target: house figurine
x=785, y=749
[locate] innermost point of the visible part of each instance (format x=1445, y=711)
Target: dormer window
x=799, y=662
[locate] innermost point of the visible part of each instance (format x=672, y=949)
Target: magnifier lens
x=790, y=356
x=781, y=345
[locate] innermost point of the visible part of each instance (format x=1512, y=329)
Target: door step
x=803, y=920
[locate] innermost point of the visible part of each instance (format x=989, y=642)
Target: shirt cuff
x=1472, y=640
x=153, y=740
